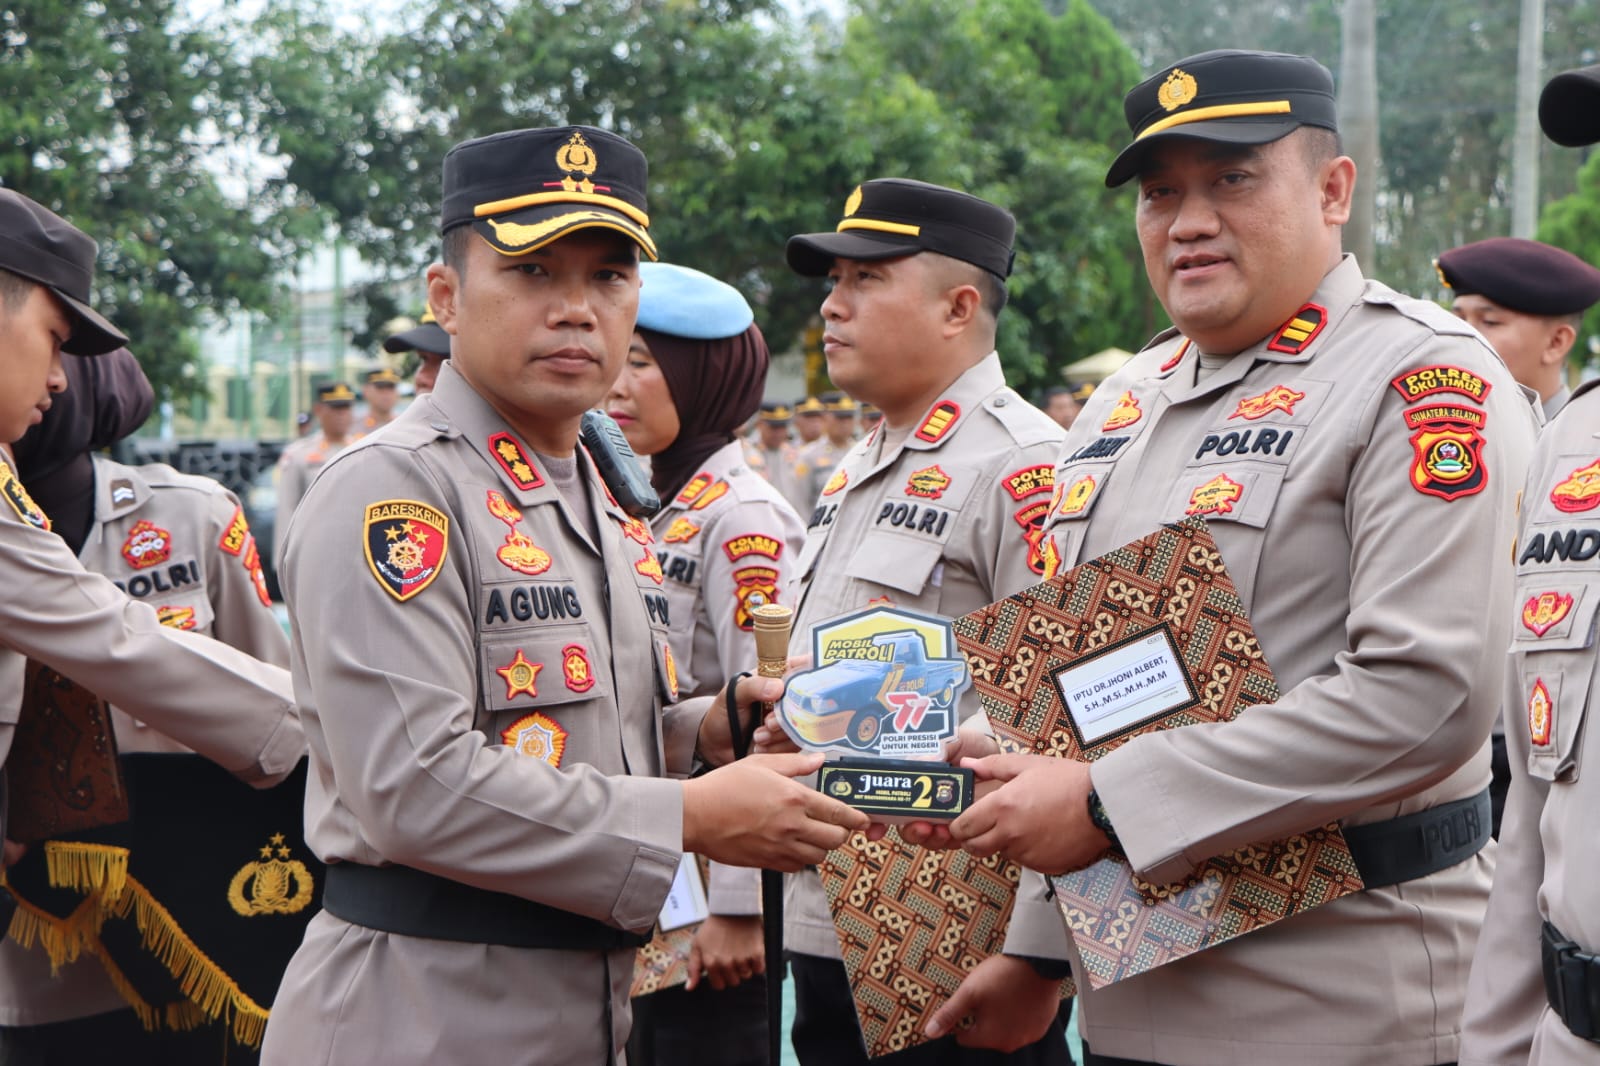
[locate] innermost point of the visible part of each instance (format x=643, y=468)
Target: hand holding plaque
x=881, y=703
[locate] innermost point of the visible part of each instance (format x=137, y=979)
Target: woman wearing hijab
x=180, y=543
x=727, y=541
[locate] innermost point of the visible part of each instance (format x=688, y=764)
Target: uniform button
x=439, y=427
x=999, y=401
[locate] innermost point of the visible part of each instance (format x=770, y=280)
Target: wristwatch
x=1102, y=820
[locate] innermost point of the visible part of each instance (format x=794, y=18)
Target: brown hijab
x=716, y=386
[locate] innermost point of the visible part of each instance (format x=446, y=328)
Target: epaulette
x=1026, y=424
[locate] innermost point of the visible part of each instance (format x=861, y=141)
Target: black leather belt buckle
x=1571, y=983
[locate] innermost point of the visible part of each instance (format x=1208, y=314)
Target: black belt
x=1571, y=983
x=1416, y=845
x=400, y=899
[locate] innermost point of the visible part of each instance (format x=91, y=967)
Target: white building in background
x=261, y=370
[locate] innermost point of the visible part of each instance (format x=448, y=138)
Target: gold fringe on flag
x=93, y=869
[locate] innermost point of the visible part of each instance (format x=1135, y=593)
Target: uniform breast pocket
x=1555, y=670
x=546, y=668
x=1239, y=502
x=903, y=563
x=1078, y=489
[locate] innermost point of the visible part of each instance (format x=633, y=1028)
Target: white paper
x=686, y=902
x=1121, y=688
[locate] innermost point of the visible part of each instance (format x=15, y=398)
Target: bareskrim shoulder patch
x=405, y=543
x=1296, y=335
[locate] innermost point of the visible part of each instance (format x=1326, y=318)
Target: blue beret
x=681, y=302
x=1521, y=275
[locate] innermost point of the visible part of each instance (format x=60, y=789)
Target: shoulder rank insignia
x=1544, y=611
x=236, y=534
x=928, y=483
x=1580, y=491
x=521, y=676
x=682, y=531
x=147, y=545
x=713, y=492
x=835, y=483
x=754, y=586
x=939, y=422
x=1175, y=359
x=1030, y=480
x=537, y=735
x=1296, y=335
x=1415, y=384
x=17, y=496
x=405, y=542
x=1216, y=496
x=514, y=461
x=575, y=668
x=1449, y=459
x=1541, y=713
x=1077, y=496
x=269, y=878
x=695, y=487
x=649, y=566
x=1125, y=413
x=176, y=617
x=1278, y=398
x=752, y=544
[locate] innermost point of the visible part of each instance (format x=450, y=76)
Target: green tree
x=1573, y=223
x=120, y=116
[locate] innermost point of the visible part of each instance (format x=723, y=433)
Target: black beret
x=890, y=217
x=426, y=336
x=1525, y=276
x=1230, y=96
x=1569, y=107
x=522, y=189
x=38, y=244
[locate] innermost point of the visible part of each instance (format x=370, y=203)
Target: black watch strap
x=1102, y=820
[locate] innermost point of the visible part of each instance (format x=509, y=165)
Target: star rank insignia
x=537, y=735
x=405, y=543
x=514, y=461
x=521, y=677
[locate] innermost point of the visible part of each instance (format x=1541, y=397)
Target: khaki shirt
x=481, y=670
x=728, y=543
x=234, y=710
x=1373, y=568
x=1549, y=862
x=941, y=523
x=297, y=465
x=180, y=544
x=777, y=465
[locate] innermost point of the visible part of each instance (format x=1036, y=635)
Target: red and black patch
x=1031, y=516
x=238, y=531
x=929, y=483
x=1296, y=335
x=1448, y=460
x=939, y=422
x=513, y=459
x=405, y=543
x=176, y=617
x=752, y=544
x=1030, y=480
x=147, y=545
x=754, y=586
x=1415, y=384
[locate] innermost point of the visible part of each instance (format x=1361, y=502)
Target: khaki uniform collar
x=118, y=489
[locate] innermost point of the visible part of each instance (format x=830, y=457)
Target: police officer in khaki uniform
x=180, y=544
x=939, y=510
x=727, y=544
x=1528, y=300
x=303, y=458
x=1534, y=996
x=808, y=412
x=819, y=459
x=381, y=390
x=1357, y=454
x=431, y=344
x=772, y=454
x=481, y=655
x=229, y=707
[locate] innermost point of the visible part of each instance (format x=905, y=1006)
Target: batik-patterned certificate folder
x=1150, y=636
